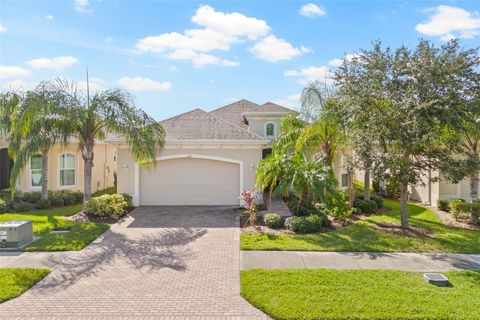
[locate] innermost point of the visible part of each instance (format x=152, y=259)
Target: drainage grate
x=436, y=279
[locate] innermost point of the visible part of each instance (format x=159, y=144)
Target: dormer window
x=270, y=130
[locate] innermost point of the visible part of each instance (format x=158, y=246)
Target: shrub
x=78, y=196
x=337, y=207
x=378, y=199
x=23, y=206
x=392, y=188
x=272, y=220
x=42, y=204
x=301, y=224
x=3, y=206
x=127, y=197
x=459, y=209
x=56, y=200
x=31, y=197
x=366, y=206
x=317, y=220
x=475, y=212
x=107, y=206
x=443, y=204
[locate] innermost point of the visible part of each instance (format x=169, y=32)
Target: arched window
x=36, y=170
x=270, y=130
x=67, y=169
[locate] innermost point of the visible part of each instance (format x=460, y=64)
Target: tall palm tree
x=108, y=112
x=36, y=126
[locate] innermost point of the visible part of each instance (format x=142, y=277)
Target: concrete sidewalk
x=37, y=260
x=358, y=260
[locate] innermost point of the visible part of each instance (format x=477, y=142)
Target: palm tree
x=36, y=126
x=108, y=112
x=270, y=174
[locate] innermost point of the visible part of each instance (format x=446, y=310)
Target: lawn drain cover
x=436, y=279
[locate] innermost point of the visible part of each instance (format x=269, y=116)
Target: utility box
x=15, y=233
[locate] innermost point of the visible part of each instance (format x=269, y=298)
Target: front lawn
x=361, y=294
x=14, y=282
x=44, y=221
x=364, y=235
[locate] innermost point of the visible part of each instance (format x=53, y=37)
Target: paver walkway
x=358, y=260
x=37, y=260
x=158, y=263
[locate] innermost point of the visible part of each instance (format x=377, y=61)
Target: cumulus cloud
x=310, y=74
x=338, y=62
x=2, y=28
x=57, y=63
x=292, y=101
x=143, y=84
x=14, y=85
x=82, y=6
x=94, y=84
x=312, y=10
x=450, y=22
x=8, y=72
x=49, y=17
x=218, y=32
x=273, y=49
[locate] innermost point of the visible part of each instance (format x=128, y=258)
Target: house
x=65, y=168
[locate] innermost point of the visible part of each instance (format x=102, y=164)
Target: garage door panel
x=190, y=182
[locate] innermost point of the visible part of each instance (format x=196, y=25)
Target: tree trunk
x=474, y=180
x=45, y=174
x=403, y=204
x=366, y=188
x=87, y=155
x=302, y=199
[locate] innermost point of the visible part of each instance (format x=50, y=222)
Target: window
x=270, y=130
x=36, y=170
x=344, y=179
x=67, y=170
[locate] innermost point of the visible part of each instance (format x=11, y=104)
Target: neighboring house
x=430, y=192
x=65, y=168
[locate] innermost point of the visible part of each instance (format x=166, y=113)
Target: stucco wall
x=102, y=173
x=258, y=125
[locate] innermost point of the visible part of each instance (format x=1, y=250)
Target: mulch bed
x=450, y=221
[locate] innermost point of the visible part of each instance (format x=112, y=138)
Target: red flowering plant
x=248, y=197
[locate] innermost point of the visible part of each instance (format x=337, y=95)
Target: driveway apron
x=157, y=262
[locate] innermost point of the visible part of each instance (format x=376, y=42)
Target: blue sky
x=176, y=56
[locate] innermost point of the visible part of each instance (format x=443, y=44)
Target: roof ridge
x=181, y=114
x=238, y=127
x=225, y=106
x=270, y=102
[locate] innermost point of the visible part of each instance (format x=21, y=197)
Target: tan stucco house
x=65, y=168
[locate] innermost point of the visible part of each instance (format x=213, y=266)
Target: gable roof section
x=200, y=125
x=233, y=112
x=270, y=107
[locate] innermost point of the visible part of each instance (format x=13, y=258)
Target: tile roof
x=200, y=125
x=234, y=112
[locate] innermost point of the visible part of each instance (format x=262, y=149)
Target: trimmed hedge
x=443, y=204
x=366, y=206
x=309, y=224
x=272, y=220
x=107, y=206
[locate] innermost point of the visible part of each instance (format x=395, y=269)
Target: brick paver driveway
x=160, y=262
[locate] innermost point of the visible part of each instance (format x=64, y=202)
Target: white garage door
x=190, y=181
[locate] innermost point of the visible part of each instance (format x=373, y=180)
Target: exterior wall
x=248, y=155
x=102, y=173
x=257, y=124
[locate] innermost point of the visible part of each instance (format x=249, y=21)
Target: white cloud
x=310, y=74
x=14, y=85
x=57, y=63
x=312, y=10
x=7, y=72
x=273, y=49
x=449, y=22
x=338, y=62
x=292, y=101
x=2, y=28
x=82, y=6
x=234, y=24
x=94, y=84
x=143, y=84
x=49, y=17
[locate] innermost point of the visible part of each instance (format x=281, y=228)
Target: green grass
x=361, y=294
x=14, y=282
x=362, y=236
x=44, y=221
